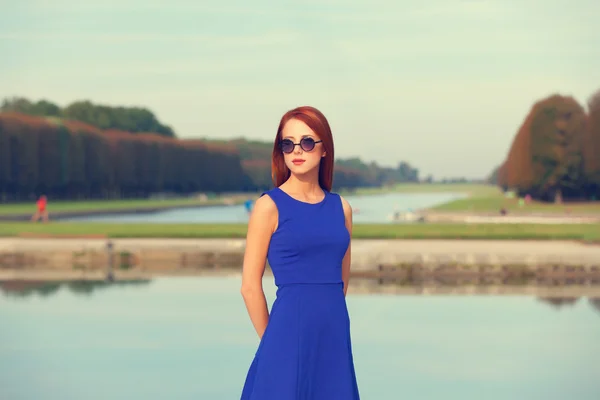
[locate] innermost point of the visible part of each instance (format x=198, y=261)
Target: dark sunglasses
x=306, y=144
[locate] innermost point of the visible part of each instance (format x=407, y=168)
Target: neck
x=307, y=183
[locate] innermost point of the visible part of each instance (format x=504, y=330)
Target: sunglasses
x=306, y=144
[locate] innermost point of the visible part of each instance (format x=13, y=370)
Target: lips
x=298, y=161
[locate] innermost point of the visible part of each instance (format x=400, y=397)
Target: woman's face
x=307, y=149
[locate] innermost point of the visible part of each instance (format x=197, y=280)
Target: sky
x=442, y=84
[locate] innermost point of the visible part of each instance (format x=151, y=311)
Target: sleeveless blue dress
x=306, y=352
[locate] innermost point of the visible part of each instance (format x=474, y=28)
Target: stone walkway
x=365, y=253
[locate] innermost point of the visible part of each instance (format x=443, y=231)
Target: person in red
x=41, y=212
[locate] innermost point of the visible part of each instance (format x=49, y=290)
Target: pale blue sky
x=443, y=84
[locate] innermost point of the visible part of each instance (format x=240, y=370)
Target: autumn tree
x=591, y=146
x=546, y=157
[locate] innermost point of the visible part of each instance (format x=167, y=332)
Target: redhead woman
x=304, y=231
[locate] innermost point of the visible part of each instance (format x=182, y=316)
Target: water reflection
x=190, y=338
x=595, y=303
x=556, y=294
x=569, y=302
x=25, y=288
x=552, y=297
x=559, y=302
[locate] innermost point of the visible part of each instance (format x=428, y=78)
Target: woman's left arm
x=347, y=257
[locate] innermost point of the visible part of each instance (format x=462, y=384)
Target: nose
x=297, y=149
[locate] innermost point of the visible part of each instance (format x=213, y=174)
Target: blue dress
x=306, y=352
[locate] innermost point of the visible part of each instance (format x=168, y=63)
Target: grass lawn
x=473, y=190
x=587, y=232
x=139, y=204
x=492, y=204
x=486, y=199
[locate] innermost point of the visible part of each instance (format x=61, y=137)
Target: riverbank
x=85, y=208
x=538, y=218
x=481, y=207
x=475, y=231
x=70, y=209
x=491, y=202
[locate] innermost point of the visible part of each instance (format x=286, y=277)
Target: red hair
x=317, y=122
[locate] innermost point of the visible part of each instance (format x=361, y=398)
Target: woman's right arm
x=262, y=224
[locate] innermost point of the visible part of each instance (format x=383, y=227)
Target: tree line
x=72, y=160
x=556, y=152
x=129, y=119
x=69, y=159
x=348, y=173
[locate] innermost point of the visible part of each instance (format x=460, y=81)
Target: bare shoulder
x=264, y=205
x=346, y=206
x=264, y=214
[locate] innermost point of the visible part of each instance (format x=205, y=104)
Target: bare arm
x=347, y=258
x=262, y=224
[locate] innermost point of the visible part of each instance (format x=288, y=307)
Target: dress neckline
x=304, y=202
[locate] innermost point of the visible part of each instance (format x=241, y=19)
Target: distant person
x=248, y=205
x=305, y=230
x=42, y=211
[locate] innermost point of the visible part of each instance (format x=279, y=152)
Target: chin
x=302, y=169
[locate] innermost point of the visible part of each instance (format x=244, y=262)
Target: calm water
x=190, y=338
x=372, y=208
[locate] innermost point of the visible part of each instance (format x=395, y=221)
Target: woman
x=304, y=230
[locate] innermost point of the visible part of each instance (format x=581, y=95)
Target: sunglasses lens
x=307, y=144
x=287, y=146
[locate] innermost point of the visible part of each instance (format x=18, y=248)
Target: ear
x=324, y=154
